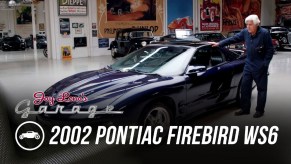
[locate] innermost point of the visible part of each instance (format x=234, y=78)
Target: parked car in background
x=130, y=39
x=41, y=42
x=15, y=42
x=282, y=34
x=240, y=46
x=210, y=36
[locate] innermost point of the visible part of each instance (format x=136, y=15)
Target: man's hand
x=214, y=44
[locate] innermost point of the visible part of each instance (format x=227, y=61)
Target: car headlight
x=144, y=43
x=284, y=40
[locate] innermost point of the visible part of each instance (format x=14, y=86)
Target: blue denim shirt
x=259, y=48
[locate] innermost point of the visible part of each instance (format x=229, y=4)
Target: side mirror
x=193, y=70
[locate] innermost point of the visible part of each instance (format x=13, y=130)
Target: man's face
x=252, y=28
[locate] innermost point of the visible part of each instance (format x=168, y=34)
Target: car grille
x=289, y=38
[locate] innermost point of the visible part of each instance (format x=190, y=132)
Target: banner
x=114, y=15
x=210, y=15
x=179, y=15
x=73, y=8
x=234, y=13
x=283, y=13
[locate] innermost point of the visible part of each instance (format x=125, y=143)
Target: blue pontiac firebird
x=160, y=84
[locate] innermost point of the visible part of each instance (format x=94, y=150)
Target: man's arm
x=239, y=37
x=269, y=49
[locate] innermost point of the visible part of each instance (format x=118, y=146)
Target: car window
x=208, y=57
x=140, y=34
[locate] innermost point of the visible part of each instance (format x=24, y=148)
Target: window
x=208, y=57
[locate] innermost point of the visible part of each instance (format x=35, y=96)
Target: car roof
x=133, y=29
x=207, y=33
x=182, y=43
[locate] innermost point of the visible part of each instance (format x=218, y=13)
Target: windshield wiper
x=143, y=72
x=137, y=71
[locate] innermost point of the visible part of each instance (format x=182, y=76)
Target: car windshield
x=160, y=60
x=141, y=34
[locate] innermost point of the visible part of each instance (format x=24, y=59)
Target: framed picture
x=23, y=15
x=94, y=33
x=75, y=25
x=66, y=52
x=41, y=27
x=78, y=31
x=94, y=25
x=65, y=26
x=103, y=42
x=81, y=25
x=80, y=42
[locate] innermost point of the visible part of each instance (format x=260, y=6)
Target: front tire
x=157, y=114
x=45, y=52
x=113, y=53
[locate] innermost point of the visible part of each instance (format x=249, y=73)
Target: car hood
x=102, y=87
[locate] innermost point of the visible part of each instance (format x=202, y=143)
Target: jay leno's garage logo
x=30, y=135
x=40, y=98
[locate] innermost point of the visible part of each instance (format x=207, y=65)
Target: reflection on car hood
x=103, y=86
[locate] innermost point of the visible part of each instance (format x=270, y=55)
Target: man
x=260, y=52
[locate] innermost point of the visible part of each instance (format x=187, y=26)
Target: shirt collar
x=258, y=31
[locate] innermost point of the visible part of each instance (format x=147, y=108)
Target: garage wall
x=268, y=12
x=57, y=40
x=5, y=20
x=95, y=50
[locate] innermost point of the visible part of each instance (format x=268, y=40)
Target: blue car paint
x=131, y=92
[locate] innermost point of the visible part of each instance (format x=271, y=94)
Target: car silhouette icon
x=29, y=134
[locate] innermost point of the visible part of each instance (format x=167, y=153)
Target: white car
x=29, y=134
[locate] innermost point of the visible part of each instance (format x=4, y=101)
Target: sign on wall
x=117, y=14
x=65, y=26
x=23, y=15
x=179, y=15
x=210, y=15
x=66, y=52
x=73, y=7
x=283, y=13
x=235, y=12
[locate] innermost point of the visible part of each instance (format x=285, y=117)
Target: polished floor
x=21, y=75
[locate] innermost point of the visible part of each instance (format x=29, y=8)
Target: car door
x=203, y=88
x=16, y=42
x=122, y=42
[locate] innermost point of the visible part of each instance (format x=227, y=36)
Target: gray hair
x=253, y=18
